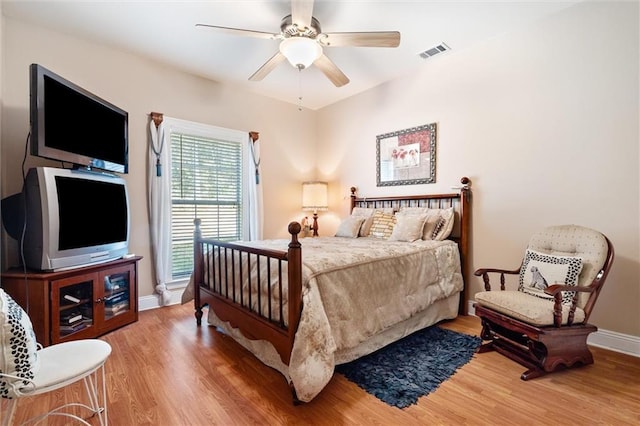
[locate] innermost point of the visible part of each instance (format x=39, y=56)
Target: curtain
x=253, y=189
x=159, y=179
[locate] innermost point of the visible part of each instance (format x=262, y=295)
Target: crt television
x=74, y=218
x=72, y=125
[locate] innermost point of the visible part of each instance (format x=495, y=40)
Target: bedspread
x=354, y=289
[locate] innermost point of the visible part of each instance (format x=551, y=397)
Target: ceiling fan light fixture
x=301, y=52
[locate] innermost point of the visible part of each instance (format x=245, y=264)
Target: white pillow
x=439, y=224
x=350, y=227
x=408, y=227
x=414, y=210
x=18, y=356
x=540, y=270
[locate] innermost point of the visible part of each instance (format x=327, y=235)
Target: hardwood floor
x=166, y=371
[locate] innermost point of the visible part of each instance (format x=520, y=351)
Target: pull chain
x=299, y=88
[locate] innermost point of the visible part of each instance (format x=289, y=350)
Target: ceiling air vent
x=441, y=48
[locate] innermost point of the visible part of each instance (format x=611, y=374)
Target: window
x=206, y=183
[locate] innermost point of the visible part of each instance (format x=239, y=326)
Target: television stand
x=79, y=303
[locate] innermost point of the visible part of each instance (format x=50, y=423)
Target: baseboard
x=153, y=301
x=610, y=340
x=624, y=343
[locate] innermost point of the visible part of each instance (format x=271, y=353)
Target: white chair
x=33, y=372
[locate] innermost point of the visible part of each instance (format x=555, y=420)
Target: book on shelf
x=117, y=308
x=79, y=325
x=71, y=298
x=115, y=282
x=116, y=298
x=70, y=318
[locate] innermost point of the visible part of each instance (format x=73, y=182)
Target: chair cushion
x=18, y=356
x=67, y=362
x=576, y=241
x=540, y=270
x=524, y=307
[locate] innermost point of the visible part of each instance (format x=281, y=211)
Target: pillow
x=350, y=227
x=540, y=270
x=18, y=356
x=439, y=224
x=367, y=213
x=408, y=227
x=382, y=225
x=414, y=210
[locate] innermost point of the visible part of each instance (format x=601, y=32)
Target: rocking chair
x=543, y=324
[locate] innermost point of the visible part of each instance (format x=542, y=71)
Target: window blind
x=206, y=183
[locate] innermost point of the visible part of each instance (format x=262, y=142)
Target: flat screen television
x=72, y=125
x=74, y=218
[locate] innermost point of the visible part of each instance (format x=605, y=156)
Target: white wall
x=545, y=123
x=140, y=86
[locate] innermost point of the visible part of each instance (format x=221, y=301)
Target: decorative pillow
x=382, y=225
x=367, y=213
x=439, y=224
x=408, y=227
x=540, y=270
x=18, y=356
x=350, y=227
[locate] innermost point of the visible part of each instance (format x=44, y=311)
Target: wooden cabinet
x=77, y=304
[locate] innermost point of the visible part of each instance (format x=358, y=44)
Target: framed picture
x=406, y=157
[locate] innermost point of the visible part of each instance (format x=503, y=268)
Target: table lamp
x=314, y=198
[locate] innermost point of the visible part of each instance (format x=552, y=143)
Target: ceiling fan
x=302, y=42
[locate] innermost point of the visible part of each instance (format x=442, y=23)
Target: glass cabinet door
x=117, y=297
x=75, y=302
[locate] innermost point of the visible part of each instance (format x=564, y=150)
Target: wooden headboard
x=461, y=203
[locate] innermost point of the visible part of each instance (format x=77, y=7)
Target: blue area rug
x=402, y=372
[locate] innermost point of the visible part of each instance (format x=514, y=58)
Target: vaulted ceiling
x=166, y=31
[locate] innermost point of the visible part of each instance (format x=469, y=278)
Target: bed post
x=294, y=260
x=353, y=199
x=465, y=232
x=197, y=270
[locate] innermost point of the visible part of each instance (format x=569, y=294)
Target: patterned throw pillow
x=439, y=224
x=367, y=213
x=350, y=227
x=540, y=270
x=382, y=225
x=408, y=227
x=18, y=356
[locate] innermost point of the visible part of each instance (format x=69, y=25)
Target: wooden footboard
x=227, y=289
x=256, y=307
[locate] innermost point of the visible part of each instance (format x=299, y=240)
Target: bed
x=304, y=305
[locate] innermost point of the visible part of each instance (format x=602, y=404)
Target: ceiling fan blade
x=362, y=39
x=301, y=12
x=268, y=66
x=332, y=72
x=240, y=32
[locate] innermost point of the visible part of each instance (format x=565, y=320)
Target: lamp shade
x=314, y=196
x=301, y=52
